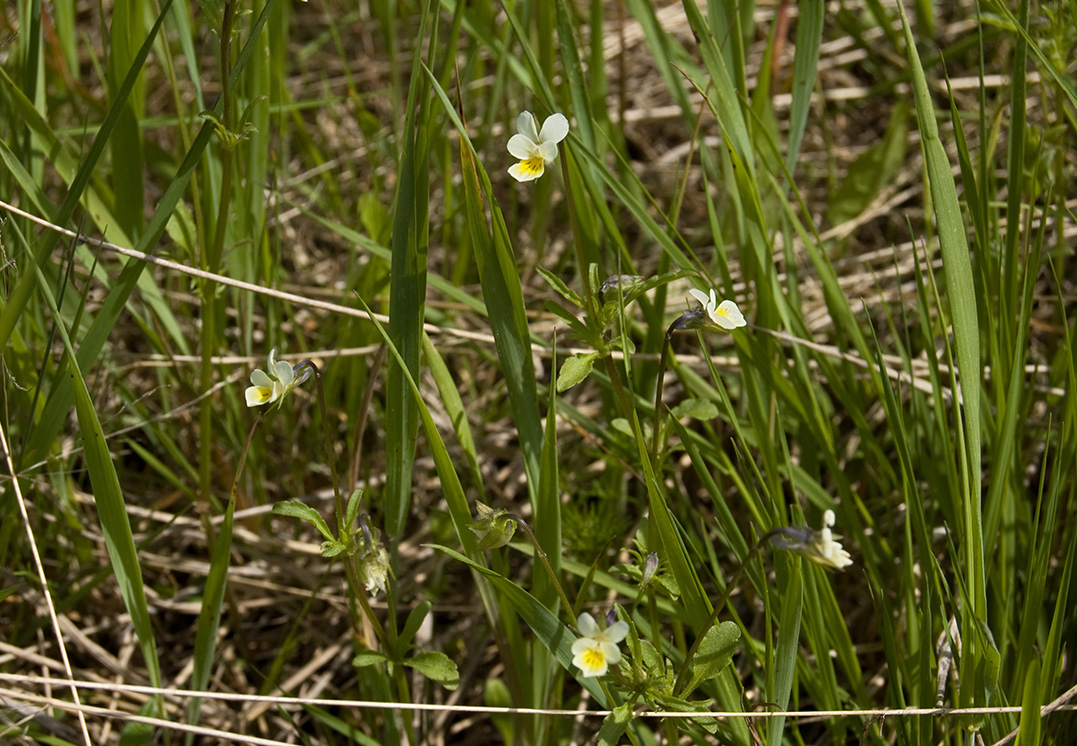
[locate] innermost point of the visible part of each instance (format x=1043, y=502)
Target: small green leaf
x=411, y=626
x=575, y=369
x=332, y=548
x=697, y=409
x=353, y=508
x=436, y=667
x=615, y=724
x=368, y=658
x=714, y=654
x=559, y=285
x=296, y=509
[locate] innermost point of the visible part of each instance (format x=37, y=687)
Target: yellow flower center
x=594, y=658
x=533, y=165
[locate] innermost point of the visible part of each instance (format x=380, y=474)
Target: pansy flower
x=597, y=649
x=725, y=315
x=273, y=386
x=535, y=148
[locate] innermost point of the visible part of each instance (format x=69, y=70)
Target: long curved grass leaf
x=407, y=291
x=809, y=40
x=13, y=308
x=59, y=403
x=504, y=300
x=960, y=291
x=108, y=498
x=548, y=628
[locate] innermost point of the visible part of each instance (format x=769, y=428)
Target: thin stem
x=682, y=677
x=343, y=532
x=577, y=243
x=211, y=258
x=658, y=390
x=546, y=563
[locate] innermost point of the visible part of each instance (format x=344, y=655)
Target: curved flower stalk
x=821, y=547
x=273, y=386
x=597, y=649
x=708, y=313
x=725, y=315
x=535, y=148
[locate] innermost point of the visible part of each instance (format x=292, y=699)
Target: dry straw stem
x=729, y=363
x=1060, y=704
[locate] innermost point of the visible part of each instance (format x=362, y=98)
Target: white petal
x=584, y=643
x=588, y=626
x=283, y=372
x=260, y=379
x=548, y=151
x=526, y=126
x=523, y=147
x=257, y=395
x=611, y=653
x=699, y=295
x=615, y=633
x=554, y=129
x=523, y=171
x=728, y=316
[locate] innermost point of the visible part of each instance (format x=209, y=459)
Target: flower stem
x=344, y=532
x=659, y=383
x=546, y=563
x=686, y=668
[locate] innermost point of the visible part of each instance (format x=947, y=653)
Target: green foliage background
x=886, y=190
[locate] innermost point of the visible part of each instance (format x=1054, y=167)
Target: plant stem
x=658, y=390
x=682, y=677
x=546, y=563
x=211, y=258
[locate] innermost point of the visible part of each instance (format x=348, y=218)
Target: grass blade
x=108, y=498
x=407, y=294
x=960, y=290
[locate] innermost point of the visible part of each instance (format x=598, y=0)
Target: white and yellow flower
x=821, y=547
x=534, y=148
x=725, y=315
x=826, y=550
x=273, y=386
x=597, y=650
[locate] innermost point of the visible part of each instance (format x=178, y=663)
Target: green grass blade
x=1028, y=733
x=504, y=301
x=108, y=315
x=407, y=294
x=809, y=39
x=209, y=616
x=454, y=407
x=16, y=302
x=961, y=295
x=785, y=654
x=108, y=498
x=1015, y=178
x=548, y=628
x=127, y=157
